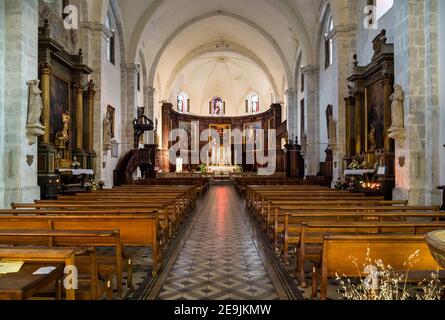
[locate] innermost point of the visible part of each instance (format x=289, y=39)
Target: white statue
x=397, y=131
x=332, y=133
x=304, y=144
x=34, y=126
x=106, y=131
x=35, y=102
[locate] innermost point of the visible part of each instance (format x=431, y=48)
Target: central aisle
x=219, y=259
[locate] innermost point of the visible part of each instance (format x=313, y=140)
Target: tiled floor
x=219, y=259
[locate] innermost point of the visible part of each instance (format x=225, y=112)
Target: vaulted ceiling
x=266, y=33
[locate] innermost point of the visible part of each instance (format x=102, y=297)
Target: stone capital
x=131, y=67
x=289, y=92
x=310, y=69
x=343, y=31
x=150, y=90
x=98, y=27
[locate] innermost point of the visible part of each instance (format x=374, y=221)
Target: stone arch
x=210, y=48
x=252, y=24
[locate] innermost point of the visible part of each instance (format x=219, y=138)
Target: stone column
x=149, y=94
x=311, y=100
x=45, y=71
x=19, y=159
x=129, y=109
x=79, y=117
x=291, y=111
x=416, y=66
x=343, y=47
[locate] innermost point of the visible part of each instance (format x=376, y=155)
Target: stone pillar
x=19, y=159
x=2, y=99
x=311, y=78
x=291, y=111
x=416, y=66
x=149, y=93
x=79, y=117
x=45, y=70
x=343, y=47
x=129, y=109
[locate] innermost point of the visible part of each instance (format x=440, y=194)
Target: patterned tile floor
x=219, y=259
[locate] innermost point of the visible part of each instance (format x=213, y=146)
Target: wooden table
x=23, y=285
x=48, y=256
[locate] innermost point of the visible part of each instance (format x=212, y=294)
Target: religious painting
x=375, y=117
x=187, y=128
x=250, y=133
x=217, y=106
x=220, y=155
x=111, y=115
x=60, y=98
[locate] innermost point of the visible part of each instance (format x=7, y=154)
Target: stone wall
x=416, y=65
x=2, y=97
x=21, y=48
x=441, y=42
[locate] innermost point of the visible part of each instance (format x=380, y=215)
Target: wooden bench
x=393, y=250
x=64, y=256
x=312, y=235
x=107, y=265
x=139, y=230
x=291, y=229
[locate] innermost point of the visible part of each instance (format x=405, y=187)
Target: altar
x=221, y=169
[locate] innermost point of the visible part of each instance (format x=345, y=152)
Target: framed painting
x=187, y=127
x=375, y=117
x=60, y=102
x=221, y=129
x=250, y=133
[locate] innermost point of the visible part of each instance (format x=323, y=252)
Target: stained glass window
x=183, y=103
x=254, y=103
x=217, y=106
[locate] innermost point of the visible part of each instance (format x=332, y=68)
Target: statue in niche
x=62, y=137
x=34, y=126
x=332, y=130
x=397, y=131
x=106, y=128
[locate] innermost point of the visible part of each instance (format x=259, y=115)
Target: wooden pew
x=291, y=229
x=64, y=256
x=393, y=250
x=312, y=235
x=107, y=265
x=136, y=230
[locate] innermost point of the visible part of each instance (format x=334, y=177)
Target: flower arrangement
x=75, y=164
x=238, y=169
x=382, y=282
x=94, y=185
x=203, y=168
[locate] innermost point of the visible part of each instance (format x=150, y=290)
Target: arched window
x=329, y=47
x=383, y=6
x=183, y=103
x=217, y=107
x=111, y=42
x=253, y=104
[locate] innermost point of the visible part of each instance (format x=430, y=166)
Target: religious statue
x=35, y=102
x=106, y=128
x=62, y=137
x=332, y=133
x=397, y=131
x=34, y=126
x=304, y=144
